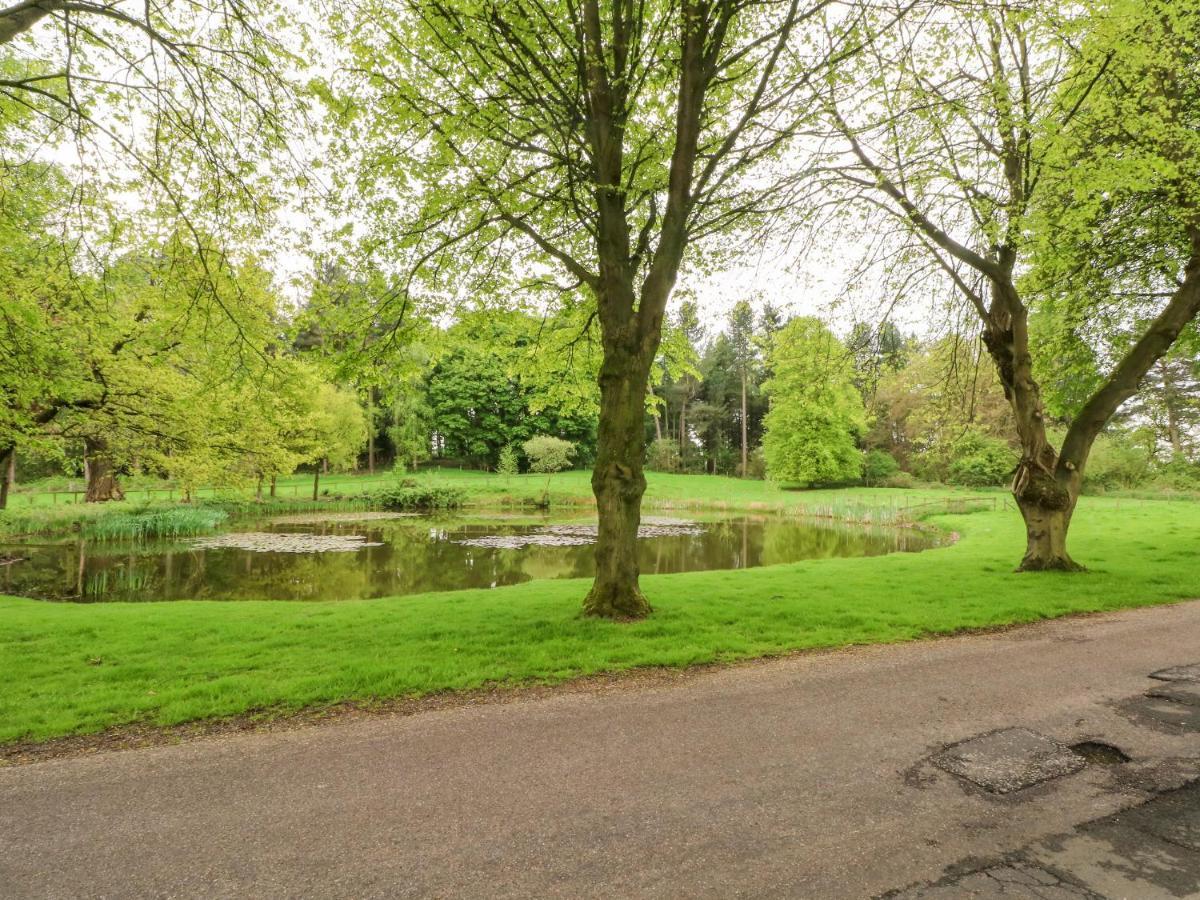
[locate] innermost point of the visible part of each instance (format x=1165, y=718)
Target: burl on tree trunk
x=1046, y=505
x=618, y=481
x=102, y=484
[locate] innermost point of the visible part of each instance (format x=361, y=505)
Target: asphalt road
x=803, y=777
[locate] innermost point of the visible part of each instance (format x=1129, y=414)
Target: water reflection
x=412, y=555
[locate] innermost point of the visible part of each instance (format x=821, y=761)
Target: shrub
x=980, y=461
x=878, y=466
x=1115, y=463
x=405, y=496
x=1178, y=475
x=507, y=463
x=547, y=454
x=756, y=465
x=899, y=480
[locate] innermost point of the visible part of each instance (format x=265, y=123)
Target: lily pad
x=285, y=542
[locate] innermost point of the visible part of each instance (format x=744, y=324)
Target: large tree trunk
x=618, y=482
x=8, y=459
x=1046, y=505
x=1045, y=487
x=102, y=484
x=1046, y=539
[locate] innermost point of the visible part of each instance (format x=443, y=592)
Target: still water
x=363, y=555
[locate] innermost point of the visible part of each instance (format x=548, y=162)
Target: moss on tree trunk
x=618, y=481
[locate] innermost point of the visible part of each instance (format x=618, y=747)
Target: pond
x=362, y=555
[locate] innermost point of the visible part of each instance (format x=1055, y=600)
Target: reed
x=171, y=522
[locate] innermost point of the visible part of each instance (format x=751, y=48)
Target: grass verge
x=82, y=668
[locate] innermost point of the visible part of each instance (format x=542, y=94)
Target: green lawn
x=78, y=668
x=575, y=485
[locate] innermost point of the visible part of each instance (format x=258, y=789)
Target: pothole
x=1098, y=753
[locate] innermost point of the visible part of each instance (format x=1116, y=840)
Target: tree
x=186, y=95
x=337, y=431
x=689, y=333
x=1170, y=398
x=166, y=336
x=741, y=341
x=816, y=413
x=1005, y=138
x=38, y=372
x=878, y=467
x=548, y=454
x=499, y=380
x=919, y=411
x=508, y=464
x=411, y=422
x=599, y=140
x=878, y=350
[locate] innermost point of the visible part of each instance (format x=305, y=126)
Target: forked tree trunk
x=618, y=481
x=1046, y=505
x=102, y=484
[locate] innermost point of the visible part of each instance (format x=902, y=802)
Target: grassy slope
x=72, y=668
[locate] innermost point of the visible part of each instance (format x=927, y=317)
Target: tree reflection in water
x=414, y=555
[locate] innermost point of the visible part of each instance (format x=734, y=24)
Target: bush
x=663, y=456
x=899, y=480
x=756, y=465
x=405, y=496
x=878, y=466
x=1178, y=475
x=980, y=461
x=548, y=454
x=1115, y=463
